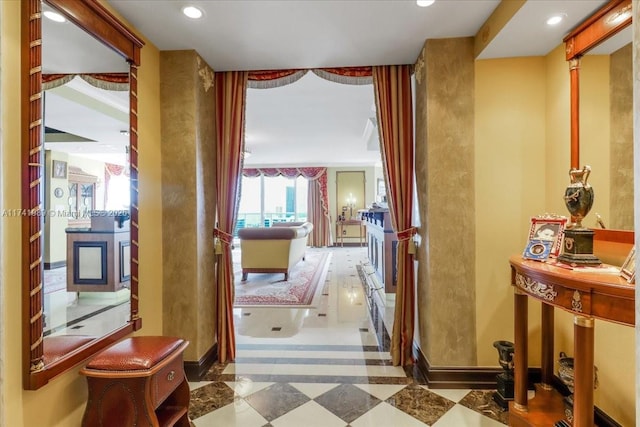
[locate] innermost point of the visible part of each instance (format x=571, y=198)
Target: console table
x=347, y=222
x=589, y=295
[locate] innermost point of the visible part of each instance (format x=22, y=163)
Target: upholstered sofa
x=273, y=249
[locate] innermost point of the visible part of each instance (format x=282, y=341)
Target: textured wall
x=187, y=201
x=621, y=175
x=206, y=197
x=446, y=194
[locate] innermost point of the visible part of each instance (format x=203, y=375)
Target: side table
x=139, y=381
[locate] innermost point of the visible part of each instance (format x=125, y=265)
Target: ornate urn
x=566, y=375
x=504, y=380
x=578, y=197
x=578, y=240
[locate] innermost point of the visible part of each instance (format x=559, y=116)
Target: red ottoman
x=138, y=381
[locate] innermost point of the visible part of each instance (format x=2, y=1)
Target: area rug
x=305, y=283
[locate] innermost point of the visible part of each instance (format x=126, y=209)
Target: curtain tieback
x=221, y=237
x=408, y=234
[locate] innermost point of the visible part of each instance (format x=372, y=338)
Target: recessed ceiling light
x=54, y=16
x=425, y=3
x=192, y=12
x=556, y=19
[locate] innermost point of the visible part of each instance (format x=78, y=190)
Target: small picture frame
x=628, y=269
x=382, y=189
x=548, y=228
x=538, y=250
x=59, y=169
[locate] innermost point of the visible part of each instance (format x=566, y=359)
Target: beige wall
x=61, y=402
x=188, y=173
x=522, y=160
x=510, y=174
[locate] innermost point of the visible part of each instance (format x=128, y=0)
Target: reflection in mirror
x=79, y=138
x=601, y=103
x=606, y=98
x=86, y=184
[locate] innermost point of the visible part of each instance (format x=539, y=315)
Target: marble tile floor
x=67, y=313
x=330, y=368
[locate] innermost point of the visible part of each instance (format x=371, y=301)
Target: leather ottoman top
x=135, y=353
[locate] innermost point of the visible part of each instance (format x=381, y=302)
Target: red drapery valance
x=106, y=81
x=105, y=77
x=266, y=79
x=308, y=172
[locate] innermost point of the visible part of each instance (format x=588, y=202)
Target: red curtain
x=392, y=87
x=318, y=212
x=230, y=97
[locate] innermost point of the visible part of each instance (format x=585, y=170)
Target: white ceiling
x=314, y=122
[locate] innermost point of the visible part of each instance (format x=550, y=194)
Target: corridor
x=327, y=366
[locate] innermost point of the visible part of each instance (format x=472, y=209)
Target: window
x=266, y=200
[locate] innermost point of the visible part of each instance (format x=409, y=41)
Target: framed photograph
x=538, y=249
x=548, y=228
x=628, y=269
x=382, y=189
x=59, y=169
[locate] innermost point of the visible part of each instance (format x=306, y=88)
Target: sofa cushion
x=290, y=232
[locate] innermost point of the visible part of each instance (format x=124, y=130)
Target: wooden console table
x=589, y=295
x=347, y=222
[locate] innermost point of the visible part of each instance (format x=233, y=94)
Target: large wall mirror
x=80, y=236
x=599, y=52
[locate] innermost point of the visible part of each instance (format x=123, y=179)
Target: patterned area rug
x=270, y=289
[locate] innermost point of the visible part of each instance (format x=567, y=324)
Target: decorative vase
x=505, y=382
x=578, y=240
x=567, y=376
x=578, y=197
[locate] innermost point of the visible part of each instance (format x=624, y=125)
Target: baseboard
x=54, y=265
x=603, y=420
x=196, y=370
x=455, y=376
x=485, y=378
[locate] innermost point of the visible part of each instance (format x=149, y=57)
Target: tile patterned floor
x=331, y=368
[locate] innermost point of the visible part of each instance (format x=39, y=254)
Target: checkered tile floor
x=333, y=370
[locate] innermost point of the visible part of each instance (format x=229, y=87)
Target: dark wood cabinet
x=382, y=246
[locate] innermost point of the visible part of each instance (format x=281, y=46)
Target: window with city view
x=266, y=200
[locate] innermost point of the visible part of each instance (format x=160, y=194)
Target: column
x=583, y=328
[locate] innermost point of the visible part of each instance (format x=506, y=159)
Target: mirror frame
x=596, y=29
x=98, y=22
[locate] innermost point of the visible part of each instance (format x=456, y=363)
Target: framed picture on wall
x=548, y=228
x=381, y=188
x=59, y=169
